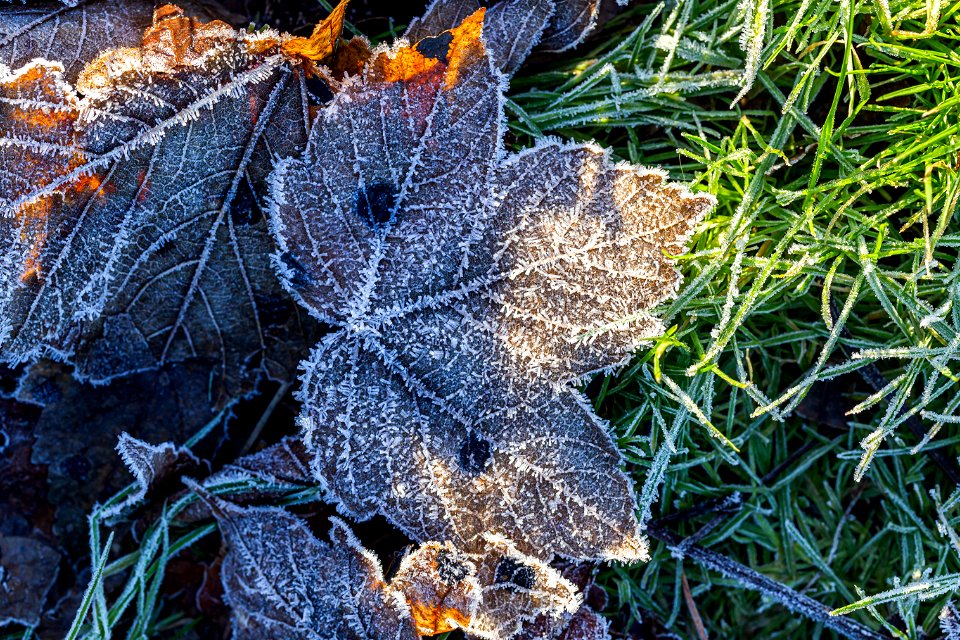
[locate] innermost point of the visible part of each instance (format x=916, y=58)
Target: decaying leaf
x=28, y=569
x=584, y=624
x=149, y=464
x=79, y=425
x=512, y=28
x=281, y=582
x=470, y=288
x=518, y=588
x=132, y=232
x=72, y=33
x=268, y=473
x=572, y=21
x=440, y=586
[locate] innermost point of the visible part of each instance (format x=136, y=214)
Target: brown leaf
x=440, y=588
x=512, y=28
x=470, y=288
x=133, y=235
x=281, y=582
x=518, y=588
x=585, y=624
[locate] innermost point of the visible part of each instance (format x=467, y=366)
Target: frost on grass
x=950, y=622
x=469, y=289
x=282, y=582
x=149, y=465
x=132, y=230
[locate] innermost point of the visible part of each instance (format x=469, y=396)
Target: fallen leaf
x=512, y=28
x=133, y=234
x=571, y=22
x=518, y=588
x=470, y=289
x=149, y=464
x=440, y=587
x=79, y=424
x=584, y=624
x=75, y=32
x=282, y=582
x=28, y=569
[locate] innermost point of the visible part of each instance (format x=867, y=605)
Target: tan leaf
x=470, y=288
x=440, y=587
x=282, y=582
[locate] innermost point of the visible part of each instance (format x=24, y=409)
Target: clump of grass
x=791, y=420
x=809, y=366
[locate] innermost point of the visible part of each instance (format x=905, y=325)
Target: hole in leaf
x=475, y=453
x=298, y=277
x=244, y=209
x=318, y=92
x=436, y=47
x=512, y=572
x=375, y=203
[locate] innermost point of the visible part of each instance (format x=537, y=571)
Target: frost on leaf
x=518, y=588
x=149, y=464
x=469, y=288
x=440, y=587
x=584, y=624
x=132, y=228
x=512, y=28
x=266, y=474
x=282, y=582
x=74, y=32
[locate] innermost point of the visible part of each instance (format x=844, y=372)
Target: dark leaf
x=122, y=250
x=28, y=569
x=281, y=582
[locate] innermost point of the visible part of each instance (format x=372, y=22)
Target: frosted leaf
x=282, y=582
x=469, y=287
x=517, y=588
x=269, y=473
x=149, y=464
x=28, y=569
x=510, y=28
x=572, y=21
x=950, y=622
x=73, y=32
x=440, y=587
x=584, y=624
x=285, y=462
x=133, y=235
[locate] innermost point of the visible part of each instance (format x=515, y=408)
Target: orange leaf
x=447, y=52
x=322, y=42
